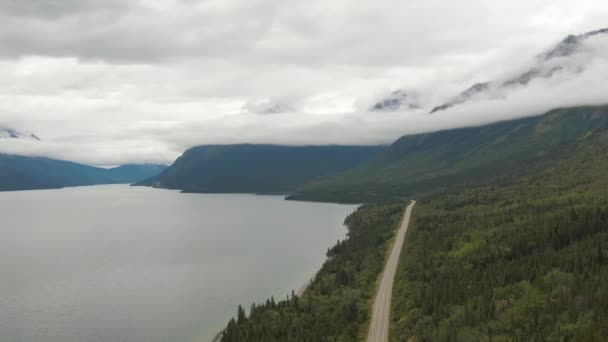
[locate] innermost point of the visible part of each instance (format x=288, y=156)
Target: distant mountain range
x=414, y=163
x=350, y=173
x=545, y=65
x=257, y=168
x=9, y=133
x=29, y=173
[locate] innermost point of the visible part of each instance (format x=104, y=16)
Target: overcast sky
x=107, y=82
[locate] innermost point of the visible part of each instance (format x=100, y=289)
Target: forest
x=337, y=302
x=525, y=260
x=523, y=257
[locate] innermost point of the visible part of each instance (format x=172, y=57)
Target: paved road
x=378, y=329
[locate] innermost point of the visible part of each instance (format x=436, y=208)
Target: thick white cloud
x=108, y=82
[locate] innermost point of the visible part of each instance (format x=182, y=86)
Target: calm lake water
x=117, y=263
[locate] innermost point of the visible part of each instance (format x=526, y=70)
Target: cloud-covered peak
x=571, y=55
x=267, y=106
x=571, y=44
x=109, y=82
x=9, y=133
x=398, y=100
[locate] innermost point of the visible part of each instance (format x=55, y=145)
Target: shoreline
x=218, y=337
x=299, y=292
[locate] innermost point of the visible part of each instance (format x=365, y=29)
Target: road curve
x=378, y=328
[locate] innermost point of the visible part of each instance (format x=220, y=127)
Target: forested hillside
x=521, y=256
x=462, y=157
x=526, y=260
x=257, y=168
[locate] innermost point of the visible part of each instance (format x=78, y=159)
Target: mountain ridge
x=567, y=47
x=544, y=65
x=33, y=173
x=256, y=167
x=430, y=161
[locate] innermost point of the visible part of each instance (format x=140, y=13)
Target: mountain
x=133, y=173
x=257, y=168
x=396, y=101
x=9, y=133
x=571, y=44
x=466, y=95
x=431, y=161
x=546, y=65
x=29, y=173
x=520, y=259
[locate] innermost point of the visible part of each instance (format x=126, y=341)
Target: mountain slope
x=523, y=259
x=28, y=173
x=560, y=58
x=257, y=168
x=546, y=65
x=430, y=161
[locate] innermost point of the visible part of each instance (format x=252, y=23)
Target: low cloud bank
x=163, y=141
x=159, y=77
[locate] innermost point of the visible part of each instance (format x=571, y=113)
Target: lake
x=120, y=263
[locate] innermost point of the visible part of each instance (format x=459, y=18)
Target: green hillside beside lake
x=461, y=157
x=509, y=241
x=257, y=168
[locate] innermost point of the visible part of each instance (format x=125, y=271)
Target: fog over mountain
x=398, y=100
x=268, y=106
x=152, y=78
x=9, y=133
x=571, y=55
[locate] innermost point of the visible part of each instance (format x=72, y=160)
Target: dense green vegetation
x=28, y=173
x=257, y=168
x=509, y=241
x=459, y=158
x=523, y=260
x=337, y=302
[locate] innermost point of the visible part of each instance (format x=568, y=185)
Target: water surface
x=117, y=263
